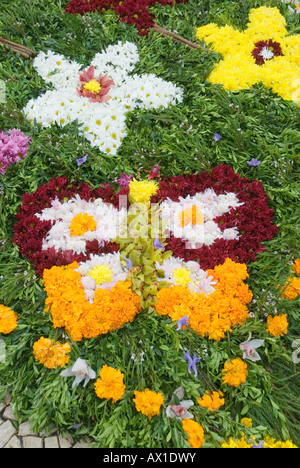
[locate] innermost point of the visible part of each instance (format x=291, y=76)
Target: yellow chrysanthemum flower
x=93, y=86
x=110, y=385
x=235, y=372
x=277, y=325
x=142, y=191
x=101, y=274
x=148, y=402
x=194, y=431
x=182, y=276
x=264, y=52
x=8, y=320
x=237, y=443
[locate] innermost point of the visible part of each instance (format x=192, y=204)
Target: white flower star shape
x=98, y=97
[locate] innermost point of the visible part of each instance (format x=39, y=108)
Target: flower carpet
x=149, y=221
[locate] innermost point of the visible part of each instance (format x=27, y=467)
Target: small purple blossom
x=158, y=244
x=124, y=180
x=82, y=160
x=191, y=363
x=184, y=321
x=254, y=162
x=13, y=148
x=217, y=137
x=259, y=445
x=129, y=263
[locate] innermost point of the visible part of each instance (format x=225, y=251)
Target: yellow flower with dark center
x=93, y=86
x=82, y=223
x=8, y=320
x=101, y=274
x=191, y=215
x=248, y=59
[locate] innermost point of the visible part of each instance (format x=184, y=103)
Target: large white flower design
x=110, y=81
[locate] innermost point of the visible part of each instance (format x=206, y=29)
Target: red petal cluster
x=130, y=11
x=275, y=47
x=29, y=230
x=253, y=219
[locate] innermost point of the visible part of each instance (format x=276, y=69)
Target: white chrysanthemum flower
x=192, y=218
x=102, y=123
x=101, y=271
x=189, y=274
x=107, y=222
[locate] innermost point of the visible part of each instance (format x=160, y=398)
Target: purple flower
x=157, y=244
x=124, y=180
x=191, y=363
x=217, y=137
x=13, y=148
x=254, y=162
x=259, y=445
x=129, y=263
x=184, y=321
x=81, y=160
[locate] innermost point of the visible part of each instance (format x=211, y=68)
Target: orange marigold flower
x=277, y=325
x=110, y=385
x=235, y=372
x=212, y=400
x=194, y=431
x=8, y=320
x=81, y=224
x=148, y=402
x=296, y=266
x=69, y=307
x=291, y=290
x=51, y=354
x=217, y=313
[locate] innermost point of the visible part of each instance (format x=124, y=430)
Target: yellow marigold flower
x=264, y=52
x=235, y=372
x=291, y=290
x=212, y=400
x=142, y=191
x=148, y=402
x=82, y=223
x=247, y=422
x=8, y=320
x=194, y=431
x=296, y=266
x=110, y=385
x=51, y=354
x=277, y=325
x=237, y=443
x=272, y=443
